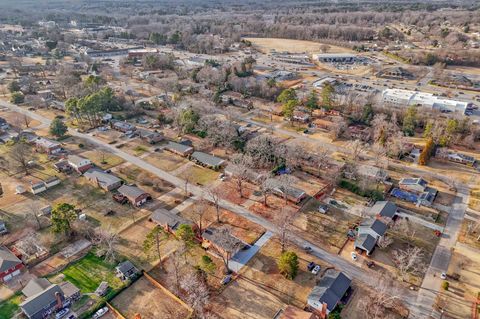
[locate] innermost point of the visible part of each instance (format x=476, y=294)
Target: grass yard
x=474, y=200
x=165, y=160
x=103, y=159
x=469, y=234
x=87, y=273
x=10, y=307
x=199, y=175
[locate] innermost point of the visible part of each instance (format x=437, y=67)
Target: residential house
x=62, y=166
x=180, y=149
x=292, y=193
x=52, y=181
x=47, y=146
x=207, y=160
x=301, y=116
x=37, y=187
x=106, y=181
x=370, y=231
x=45, y=94
x=126, y=270
x=416, y=185
x=222, y=242
x=384, y=210
x=136, y=196
x=168, y=221
x=44, y=298
x=236, y=99
x=329, y=291
x=10, y=265
x=123, y=127
x=80, y=164
x=367, y=171
x=149, y=136
x=455, y=157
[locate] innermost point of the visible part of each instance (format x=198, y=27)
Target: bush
x=17, y=98
x=80, y=145
x=370, y=193
x=288, y=264
x=445, y=285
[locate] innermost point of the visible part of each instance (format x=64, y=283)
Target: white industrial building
x=405, y=98
x=336, y=57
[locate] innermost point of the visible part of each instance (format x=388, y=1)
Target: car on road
x=308, y=249
x=100, y=313
x=443, y=276
x=316, y=269
x=354, y=256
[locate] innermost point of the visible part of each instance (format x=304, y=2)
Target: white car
x=316, y=269
x=354, y=256
x=443, y=276
x=100, y=312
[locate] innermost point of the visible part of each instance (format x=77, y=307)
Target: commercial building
x=405, y=98
x=336, y=58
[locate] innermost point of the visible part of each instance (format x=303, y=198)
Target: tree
x=196, y=293
x=152, y=242
x=186, y=234
x=199, y=211
x=282, y=222
x=312, y=101
x=207, y=264
x=267, y=185
x=107, y=242
x=187, y=120
x=63, y=215
x=58, y=128
x=327, y=95
x=14, y=86
x=426, y=152
x=375, y=303
x=409, y=261
x=288, y=264
x=240, y=169
x=289, y=108
x=17, y=98
x=21, y=153
x=410, y=120
x=287, y=95
x=214, y=195
x=229, y=244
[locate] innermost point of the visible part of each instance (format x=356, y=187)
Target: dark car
x=311, y=265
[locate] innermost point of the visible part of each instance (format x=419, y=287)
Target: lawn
x=103, y=159
x=10, y=307
x=474, y=200
x=165, y=160
x=199, y=175
x=90, y=271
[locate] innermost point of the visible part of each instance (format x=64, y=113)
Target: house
x=180, y=149
x=37, y=187
x=222, y=242
x=47, y=146
x=236, y=99
x=370, y=231
x=45, y=94
x=106, y=181
x=301, y=116
x=44, y=298
x=62, y=166
x=292, y=312
x=10, y=265
x=329, y=291
x=51, y=181
x=168, y=221
x=29, y=249
x=135, y=195
x=384, y=210
x=78, y=163
x=416, y=185
x=126, y=270
x=123, y=127
x=207, y=160
x=149, y=136
x=455, y=157
x=292, y=193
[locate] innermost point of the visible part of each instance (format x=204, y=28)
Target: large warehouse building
x=336, y=58
x=405, y=98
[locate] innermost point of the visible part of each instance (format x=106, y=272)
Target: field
x=198, y=175
x=103, y=159
x=10, y=307
x=150, y=302
x=165, y=160
x=292, y=46
x=87, y=273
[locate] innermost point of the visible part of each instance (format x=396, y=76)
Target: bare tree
x=21, y=154
x=34, y=211
x=199, y=211
x=283, y=222
x=240, y=169
x=107, y=242
x=385, y=242
x=375, y=303
x=267, y=185
x=356, y=148
x=228, y=243
x=409, y=261
x=405, y=228
x=214, y=195
x=175, y=258
x=283, y=184
x=196, y=293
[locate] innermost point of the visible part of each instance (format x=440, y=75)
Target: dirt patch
x=229, y=192
x=293, y=46
x=165, y=160
x=143, y=298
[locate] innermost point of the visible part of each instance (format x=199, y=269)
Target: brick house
x=10, y=265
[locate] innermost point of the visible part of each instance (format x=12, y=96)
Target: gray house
x=207, y=160
x=329, y=291
x=102, y=179
x=167, y=220
x=370, y=231
x=180, y=149
x=385, y=210
x=42, y=300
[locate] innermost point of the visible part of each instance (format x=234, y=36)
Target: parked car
x=316, y=269
x=226, y=279
x=100, y=313
x=354, y=255
x=443, y=276
x=323, y=208
x=311, y=265
x=62, y=313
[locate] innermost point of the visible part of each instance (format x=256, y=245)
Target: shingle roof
x=7, y=259
x=131, y=191
x=208, y=159
x=178, y=147
x=330, y=289
x=75, y=159
x=384, y=209
x=366, y=242
x=164, y=217
x=103, y=178
x=376, y=225
x=413, y=181
x=35, y=286
x=39, y=301
x=216, y=236
x=126, y=267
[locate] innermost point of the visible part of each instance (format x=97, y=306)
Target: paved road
x=367, y=276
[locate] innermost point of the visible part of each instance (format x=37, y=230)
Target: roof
x=330, y=289
x=366, y=242
x=46, y=143
x=35, y=286
x=376, y=225
x=384, y=209
x=39, y=301
x=208, y=159
x=69, y=289
x=7, y=259
x=104, y=179
x=413, y=181
x=76, y=160
x=216, y=236
x=125, y=267
x=124, y=125
x=131, y=191
x=290, y=191
x=291, y=312
x=164, y=217
x=178, y=147
x=335, y=55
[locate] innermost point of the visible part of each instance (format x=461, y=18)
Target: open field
x=103, y=159
x=292, y=46
x=198, y=175
x=165, y=160
x=150, y=302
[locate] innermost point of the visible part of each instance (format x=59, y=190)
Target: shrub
x=80, y=145
x=445, y=285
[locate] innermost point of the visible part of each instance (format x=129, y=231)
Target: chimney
x=58, y=297
x=323, y=314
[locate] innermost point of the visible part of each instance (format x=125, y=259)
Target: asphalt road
x=419, y=307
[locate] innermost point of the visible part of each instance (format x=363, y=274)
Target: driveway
x=241, y=258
